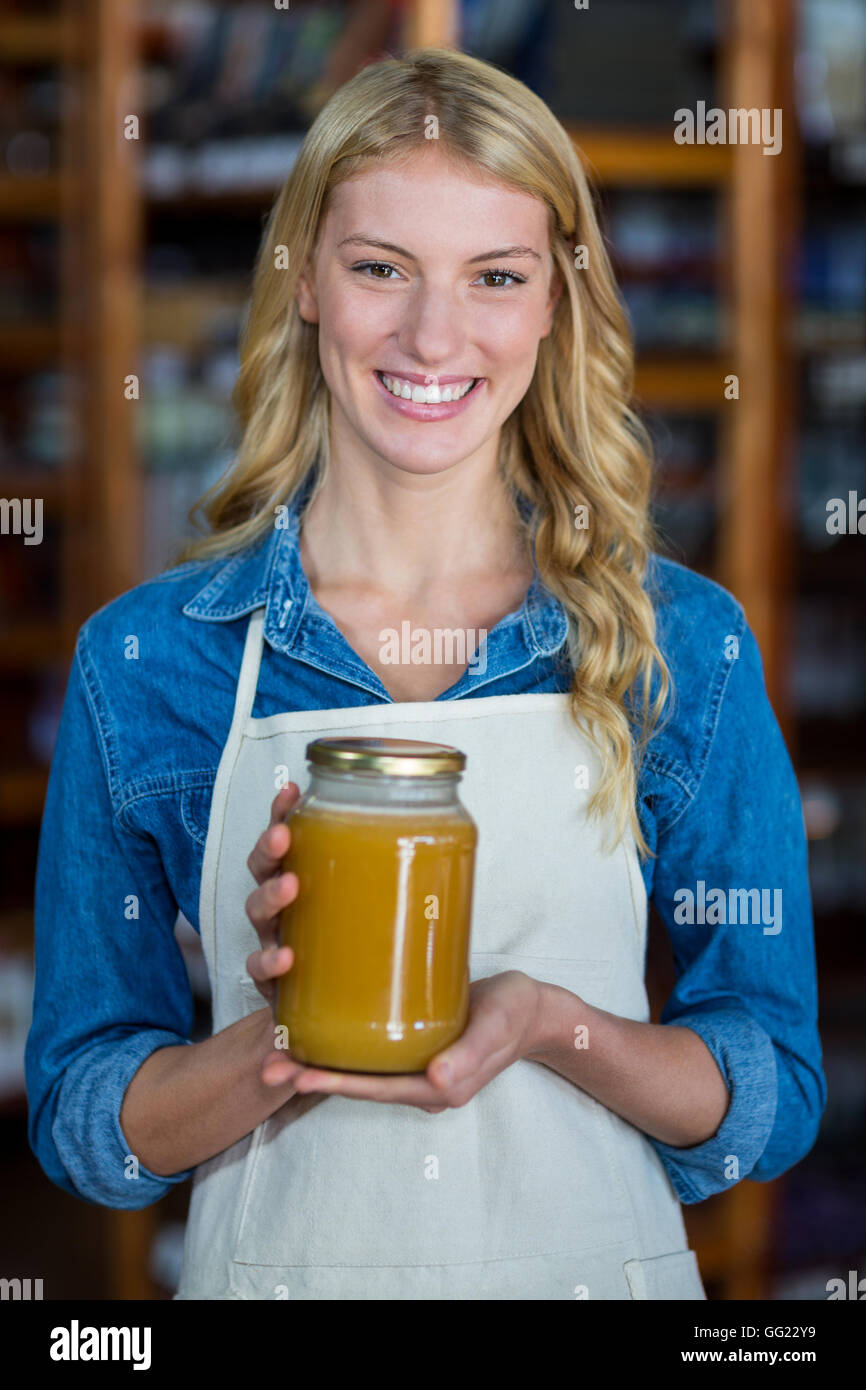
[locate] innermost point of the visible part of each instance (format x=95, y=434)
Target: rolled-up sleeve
x=746, y=983
x=111, y=986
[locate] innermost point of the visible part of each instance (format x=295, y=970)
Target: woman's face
x=426, y=280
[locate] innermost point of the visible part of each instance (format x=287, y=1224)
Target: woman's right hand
x=263, y=907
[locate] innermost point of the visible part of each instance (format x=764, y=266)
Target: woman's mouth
x=436, y=401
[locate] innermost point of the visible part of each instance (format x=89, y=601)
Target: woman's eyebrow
x=514, y=252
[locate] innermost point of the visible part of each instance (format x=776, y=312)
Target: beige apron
x=533, y=1190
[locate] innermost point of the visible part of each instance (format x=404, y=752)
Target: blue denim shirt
x=146, y=713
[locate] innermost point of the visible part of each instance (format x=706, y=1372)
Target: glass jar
x=384, y=852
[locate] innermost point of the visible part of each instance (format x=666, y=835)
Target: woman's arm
x=731, y=1078
x=662, y=1080
x=731, y=884
x=186, y=1104
x=730, y=1083
x=112, y=1008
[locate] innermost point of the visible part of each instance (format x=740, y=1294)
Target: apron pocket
x=674, y=1276
x=527, y=1168
x=586, y=978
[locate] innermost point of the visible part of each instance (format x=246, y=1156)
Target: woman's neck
x=407, y=534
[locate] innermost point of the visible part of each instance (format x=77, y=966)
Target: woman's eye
x=375, y=266
x=501, y=275
x=493, y=279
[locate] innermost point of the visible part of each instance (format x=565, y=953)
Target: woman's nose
x=433, y=329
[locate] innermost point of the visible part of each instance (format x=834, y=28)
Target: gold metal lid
x=391, y=757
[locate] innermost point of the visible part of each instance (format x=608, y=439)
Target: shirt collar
x=269, y=573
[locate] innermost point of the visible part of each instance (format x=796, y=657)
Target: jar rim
x=394, y=757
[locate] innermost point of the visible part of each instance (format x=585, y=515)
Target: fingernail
x=446, y=1072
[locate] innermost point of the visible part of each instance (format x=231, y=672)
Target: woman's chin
x=424, y=456
x=424, y=465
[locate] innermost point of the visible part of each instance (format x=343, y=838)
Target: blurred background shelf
x=28, y=39
x=26, y=345
x=635, y=157
x=39, y=196
x=22, y=795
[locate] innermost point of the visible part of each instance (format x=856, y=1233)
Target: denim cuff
x=746, y=1058
x=86, y=1130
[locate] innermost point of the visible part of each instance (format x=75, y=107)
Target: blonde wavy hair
x=573, y=441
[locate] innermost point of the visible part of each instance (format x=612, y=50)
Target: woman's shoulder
x=703, y=635
x=151, y=611
x=684, y=600
x=213, y=588
x=139, y=657
x=699, y=623
x=153, y=625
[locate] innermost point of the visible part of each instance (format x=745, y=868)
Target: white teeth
x=425, y=395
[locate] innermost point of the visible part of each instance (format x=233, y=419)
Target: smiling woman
x=437, y=437
x=476, y=290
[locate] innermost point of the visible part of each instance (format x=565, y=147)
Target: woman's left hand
x=502, y=1028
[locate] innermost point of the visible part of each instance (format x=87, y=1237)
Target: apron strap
x=249, y=675
x=244, y=697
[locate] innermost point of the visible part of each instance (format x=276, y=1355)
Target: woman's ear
x=305, y=294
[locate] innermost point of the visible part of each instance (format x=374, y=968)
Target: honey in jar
x=384, y=852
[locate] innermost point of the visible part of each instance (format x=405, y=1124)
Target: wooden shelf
x=39, y=196
x=37, y=41
x=194, y=200
x=38, y=481
x=16, y=930
x=31, y=644
x=680, y=383
x=637, y=156
x=22, y=796
x=31, y=344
